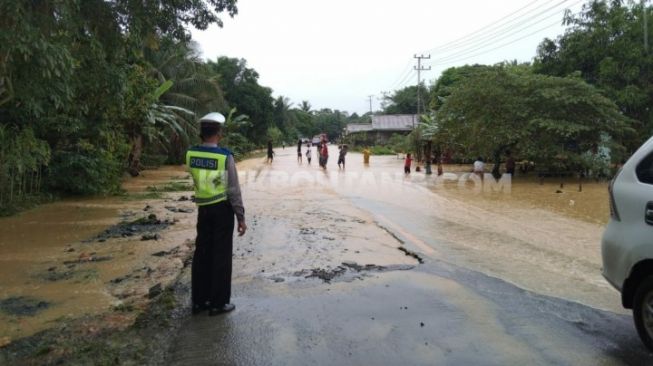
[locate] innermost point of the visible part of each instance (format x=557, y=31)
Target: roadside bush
x=399, y=143
x=381, y=150
x=238, y=144
x=22, y=160
x=153, y=160
x=86, y=170
x=275, y=135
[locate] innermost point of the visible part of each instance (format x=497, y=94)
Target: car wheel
x=643, y=311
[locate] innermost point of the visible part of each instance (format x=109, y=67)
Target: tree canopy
x=552, y=121
x=604, y=44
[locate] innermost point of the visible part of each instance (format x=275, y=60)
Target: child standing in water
x=341, y=156
x=407, y=163
x=308, y=154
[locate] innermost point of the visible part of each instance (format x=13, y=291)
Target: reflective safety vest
x=208, y=166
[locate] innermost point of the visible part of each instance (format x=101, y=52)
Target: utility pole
x=370, y=98
x=645, y=19
x=419, y=69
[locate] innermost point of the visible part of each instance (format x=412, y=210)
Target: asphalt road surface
x=349, y=272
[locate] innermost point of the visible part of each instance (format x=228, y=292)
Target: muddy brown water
x=534, y=237
x=39, y=248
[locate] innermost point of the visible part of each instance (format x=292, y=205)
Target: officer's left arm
x=233, y=190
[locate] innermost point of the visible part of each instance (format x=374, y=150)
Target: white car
x=627, y=245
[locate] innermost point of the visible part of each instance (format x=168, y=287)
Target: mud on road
x=321, y=279
x=326, y=276
x=93, y=266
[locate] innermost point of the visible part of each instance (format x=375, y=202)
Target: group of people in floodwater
x=322, y=153
x=478, y=167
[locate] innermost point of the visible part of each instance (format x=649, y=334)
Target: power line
x=402, y=77
x=455, y=43
x=475, y=48
x=503, y=28
x=405, y=79
x=407, y=68
x=498, y=47
x=523, y=25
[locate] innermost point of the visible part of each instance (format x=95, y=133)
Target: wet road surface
x=379, y=306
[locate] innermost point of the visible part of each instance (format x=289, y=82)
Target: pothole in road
x=349, y=271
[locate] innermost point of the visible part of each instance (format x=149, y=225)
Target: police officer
x=217, y=195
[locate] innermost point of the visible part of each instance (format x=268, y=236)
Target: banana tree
x=162, y=122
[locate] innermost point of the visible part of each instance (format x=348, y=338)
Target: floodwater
x=39, y=248
x=531, y=236
x=303, y=218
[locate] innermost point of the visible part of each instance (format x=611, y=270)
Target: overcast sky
x=335, y=53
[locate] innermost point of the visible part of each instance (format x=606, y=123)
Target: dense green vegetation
x=581, y=107
x=90, y=90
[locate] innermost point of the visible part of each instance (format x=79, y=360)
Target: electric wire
x=467, y=47
x=490, y=27
x=496, y=40
x=498, y=47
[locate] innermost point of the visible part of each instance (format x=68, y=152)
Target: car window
x=644, y=169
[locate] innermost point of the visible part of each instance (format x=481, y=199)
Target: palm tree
x=192, y=90
x=305, y=106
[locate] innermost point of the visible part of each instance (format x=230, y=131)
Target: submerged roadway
x=366, y=267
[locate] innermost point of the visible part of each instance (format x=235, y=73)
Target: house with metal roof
x=382, y=128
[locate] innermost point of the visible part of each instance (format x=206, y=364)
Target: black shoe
x=198, y=309
x=222, y=309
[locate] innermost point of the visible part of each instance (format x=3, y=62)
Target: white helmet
x=213, y=117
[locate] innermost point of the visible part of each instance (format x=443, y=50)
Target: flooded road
x=531, y=236
x=356, y=266
x=368, y=266
x=50, y=272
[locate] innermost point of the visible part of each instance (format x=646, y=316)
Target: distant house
x=382, y=127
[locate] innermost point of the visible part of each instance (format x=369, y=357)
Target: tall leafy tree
x=75, y=74
x=404, y=101
x=550, y=120
x=242, y=91
x=604, y=44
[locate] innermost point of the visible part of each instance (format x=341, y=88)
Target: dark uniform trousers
x=211, y=272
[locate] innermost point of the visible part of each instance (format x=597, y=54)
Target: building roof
x=388, y=122
x=394, y=122
x=359, y=127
